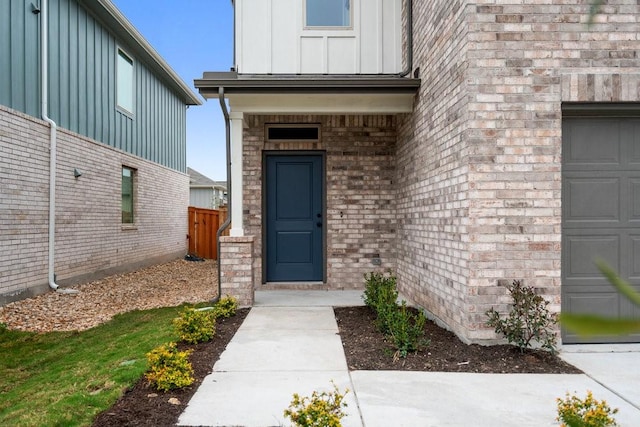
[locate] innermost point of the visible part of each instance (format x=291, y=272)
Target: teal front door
x=294, y=218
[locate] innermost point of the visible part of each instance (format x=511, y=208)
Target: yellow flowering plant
x=169, y=368
x=587, y=412
x=320, y=410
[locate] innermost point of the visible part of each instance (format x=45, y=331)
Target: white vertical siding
x=283, y=36
x=271, y=38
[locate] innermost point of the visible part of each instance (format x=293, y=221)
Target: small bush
x=381, y=294
x=226, y=307
x=169, y=368
x=380, y=290
x=407, y=330
x=194, y=326
x=3, y=327
x=576, y=412
x=528, y=321
x=320, y=410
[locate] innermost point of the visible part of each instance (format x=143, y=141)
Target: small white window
x=124, y=82
x=328, y=13
x=128, y=175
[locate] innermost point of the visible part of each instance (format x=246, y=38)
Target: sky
x=193, y=36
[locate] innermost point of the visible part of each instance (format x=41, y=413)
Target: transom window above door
x=328, y=13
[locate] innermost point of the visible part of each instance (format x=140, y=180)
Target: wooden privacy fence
x=203, y=227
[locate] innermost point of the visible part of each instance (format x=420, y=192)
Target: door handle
x=319, y=224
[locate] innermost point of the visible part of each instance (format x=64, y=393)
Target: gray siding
x=201, y=198
x=82, y=87
x=19, y=60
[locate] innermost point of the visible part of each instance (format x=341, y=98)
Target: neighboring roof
x=121, y=27
x=258, y=83
x=198, y=180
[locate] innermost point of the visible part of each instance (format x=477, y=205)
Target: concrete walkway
x=289, y=344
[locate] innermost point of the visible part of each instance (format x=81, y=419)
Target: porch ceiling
x=319, y=94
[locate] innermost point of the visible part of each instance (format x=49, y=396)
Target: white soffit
x=320, y=103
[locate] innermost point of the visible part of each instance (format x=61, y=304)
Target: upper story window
x=328, y=13
x=124, y=81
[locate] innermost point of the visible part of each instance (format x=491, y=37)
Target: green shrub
x=226, y=307
x=320, y=410
x=407, y=330
x=3, y=327
x=528, y=321
x=169, y=368
x=380, y=290
x=381, y=294
x=194, y=326
x=576, y=412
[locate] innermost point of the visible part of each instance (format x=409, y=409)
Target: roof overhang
x=119, y=25
x=321, y=94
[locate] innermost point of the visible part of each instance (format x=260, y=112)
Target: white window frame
x=125, y=94
x=134, y=173
x=349, y=26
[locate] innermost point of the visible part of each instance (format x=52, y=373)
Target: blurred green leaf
x=621, y=285
x=591, y=325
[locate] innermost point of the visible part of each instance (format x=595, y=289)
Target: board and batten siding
x=82, y=82
x=19, y=61
x=271, y=39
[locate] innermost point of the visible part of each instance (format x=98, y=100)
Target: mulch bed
x=368, y=349
x=144, y=406
x=365, y=348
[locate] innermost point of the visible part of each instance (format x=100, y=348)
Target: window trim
x=348, y=27
x=122, y=53
x=134, y=173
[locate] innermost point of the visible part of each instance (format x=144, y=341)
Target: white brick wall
x=89, y=235
x=479, y=166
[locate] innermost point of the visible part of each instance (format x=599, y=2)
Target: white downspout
x=44, y=76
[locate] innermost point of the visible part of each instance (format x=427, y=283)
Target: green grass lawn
x=67, y=378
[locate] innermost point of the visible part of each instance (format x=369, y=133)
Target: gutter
x=44, y=76
x=227, y=223
x=409, y=35
x=307, y=84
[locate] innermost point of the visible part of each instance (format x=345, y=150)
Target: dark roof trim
x=235, y=83
x=600, y=109
x=117, y=23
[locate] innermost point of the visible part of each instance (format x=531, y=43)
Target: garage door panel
x=633, y=259
x=592, y=199
x=598, y=303
x=631, y=310
x=634, y=148
x=634, y=199
x=585, y=142
x=600, y=216
x=581, y=252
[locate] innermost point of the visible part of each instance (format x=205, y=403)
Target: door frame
x=293, y=153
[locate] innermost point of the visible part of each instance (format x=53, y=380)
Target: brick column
x=236, y=264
